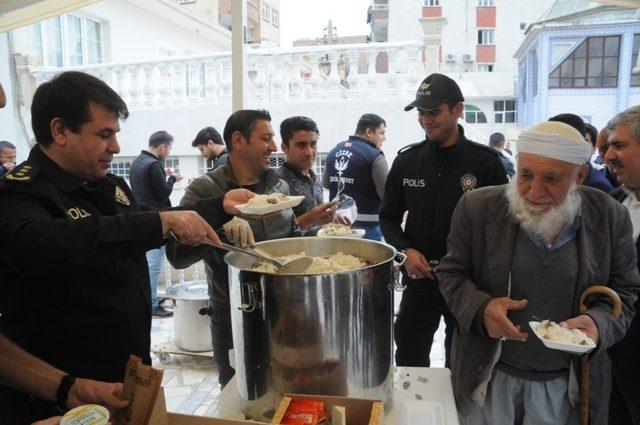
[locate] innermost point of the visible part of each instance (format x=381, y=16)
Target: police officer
x=357, y=168
x=249, y=139
x=426, y=180
x=75, y=285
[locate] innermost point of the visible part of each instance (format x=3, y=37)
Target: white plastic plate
x=355, y=233
x=291, y=202
x=554, y=345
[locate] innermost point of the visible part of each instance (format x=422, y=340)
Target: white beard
x=547, y=224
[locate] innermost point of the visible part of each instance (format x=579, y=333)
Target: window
x=534, y=72
x=94, y=41
x=635, y=78
x=74, y=40
x=172, y=163
x=473, y=115
x=276, y=160
x=204, y=165
x=53, y=31
x=266, y=12
x=121, y=166
x=594, y=63
x=36, y=42
x=486, y=2
x=320, y=164
x=67, y=40
x=486, y=36
x=432, y=3
x=275, y=17
x=485, y=67
x=504, y=111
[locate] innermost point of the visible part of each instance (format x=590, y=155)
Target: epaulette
x=411, y=146
x=485, y=148
x=23, y=173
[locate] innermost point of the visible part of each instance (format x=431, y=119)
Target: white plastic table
x=425, y=393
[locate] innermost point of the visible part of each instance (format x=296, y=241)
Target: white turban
x=555, y=140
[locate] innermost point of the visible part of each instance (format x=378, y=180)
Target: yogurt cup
x=89, y=414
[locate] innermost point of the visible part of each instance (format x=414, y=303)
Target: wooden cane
x=617, y=309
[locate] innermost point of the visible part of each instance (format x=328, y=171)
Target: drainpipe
x=238, y=54
x=18, y=97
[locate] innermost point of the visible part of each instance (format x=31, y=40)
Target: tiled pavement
x=191, y=383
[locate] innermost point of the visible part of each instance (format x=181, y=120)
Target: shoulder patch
x=23, y=172
x=411, y=146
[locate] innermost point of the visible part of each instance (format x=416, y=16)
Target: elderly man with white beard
x=531, y=248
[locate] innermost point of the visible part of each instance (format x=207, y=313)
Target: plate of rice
x=335, y=230
x=265, y=204
x=557, y=337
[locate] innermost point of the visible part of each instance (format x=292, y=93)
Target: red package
x=302, y=411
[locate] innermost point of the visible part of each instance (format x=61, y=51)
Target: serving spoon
x=299, y=265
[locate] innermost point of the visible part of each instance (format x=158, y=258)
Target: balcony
x=274, y=75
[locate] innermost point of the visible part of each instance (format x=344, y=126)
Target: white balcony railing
x=382, y=70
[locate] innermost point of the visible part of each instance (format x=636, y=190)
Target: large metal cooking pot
x=191, y=319
x=312, y=334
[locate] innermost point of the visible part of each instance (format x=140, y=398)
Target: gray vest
x=548, y=281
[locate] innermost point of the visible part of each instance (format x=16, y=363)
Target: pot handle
x=253, y=303
x=398, y=260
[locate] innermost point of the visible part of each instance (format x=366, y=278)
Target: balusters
x=295, y=82
x=315, y=80
x=210, y=85
x=164, y=84
x=179, y=82
x=149, y=89
x=277, y=82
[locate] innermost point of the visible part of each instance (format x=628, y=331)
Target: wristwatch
x=62, y=395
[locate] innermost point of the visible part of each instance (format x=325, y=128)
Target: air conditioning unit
x=450, y=58
x=467, y=57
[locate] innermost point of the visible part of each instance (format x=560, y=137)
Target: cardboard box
x=358, y=411
x=142, y=387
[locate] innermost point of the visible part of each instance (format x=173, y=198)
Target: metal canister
x=327, y=334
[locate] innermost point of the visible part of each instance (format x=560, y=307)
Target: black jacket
x=149, y=183
x=428, y=181
x=75, y=288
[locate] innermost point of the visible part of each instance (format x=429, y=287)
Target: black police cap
x=435, y=90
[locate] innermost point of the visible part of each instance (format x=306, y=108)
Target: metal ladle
x=299, y=265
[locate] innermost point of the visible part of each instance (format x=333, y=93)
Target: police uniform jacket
x=427, y=181
x=75, y=284
x=216, y=183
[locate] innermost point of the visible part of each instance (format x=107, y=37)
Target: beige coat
x=476, y=269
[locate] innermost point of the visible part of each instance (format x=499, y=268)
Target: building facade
x=580, y=58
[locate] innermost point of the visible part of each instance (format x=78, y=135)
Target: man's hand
x=88, y=391
x=585, y=323
x=498, y=324
x=177, y=176
x=188, y=227
x=8, y=166
x=340, y=219
x=239, y=232
x=234, y=198
x=318, y=215
x=416, y=265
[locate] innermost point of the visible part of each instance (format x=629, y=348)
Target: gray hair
x=629, y=117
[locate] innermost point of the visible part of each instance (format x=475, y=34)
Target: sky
x=307, y=18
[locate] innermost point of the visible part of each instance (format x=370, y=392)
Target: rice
x=264, y=200
x=335, y=229
x=335, y=263
x=553, y=332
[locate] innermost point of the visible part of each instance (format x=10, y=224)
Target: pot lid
x=192, y=290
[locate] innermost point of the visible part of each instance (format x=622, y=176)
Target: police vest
x=351, y=161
